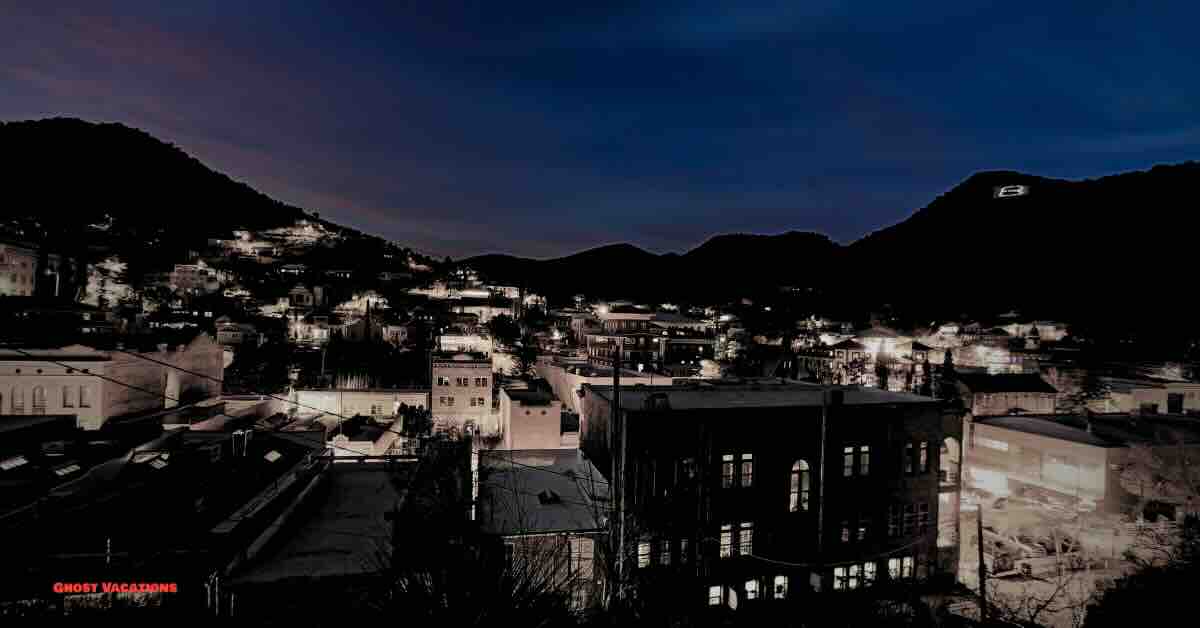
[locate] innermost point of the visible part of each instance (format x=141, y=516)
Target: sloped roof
x=538, y=491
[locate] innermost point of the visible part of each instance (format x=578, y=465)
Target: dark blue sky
x=541, y=128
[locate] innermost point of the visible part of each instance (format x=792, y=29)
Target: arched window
x=798, y=498
x=18, y=401
x=39, y=400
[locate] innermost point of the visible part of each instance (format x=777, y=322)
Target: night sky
x=542, y=128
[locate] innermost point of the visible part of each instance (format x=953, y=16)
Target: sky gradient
x=543, y=128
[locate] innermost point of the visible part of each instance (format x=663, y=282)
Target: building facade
x=18, y=269
x=82, y=382
x=461, y=394
x=730, y=494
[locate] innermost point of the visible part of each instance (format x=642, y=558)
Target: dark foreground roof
x=1006, y=383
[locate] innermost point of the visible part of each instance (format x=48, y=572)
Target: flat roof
x=716, y=395
x=1108, y=430
x=344, y=536
x=530, y=397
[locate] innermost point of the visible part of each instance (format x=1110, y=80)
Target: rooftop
x=715, y=394
x=1107, y=430
x=1006, y=383
x=538, y=491
x=530, y=397
x=346, y=535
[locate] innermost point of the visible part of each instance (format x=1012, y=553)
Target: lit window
x=894, y=568
x=863, y=524
x=845, y=531
x=781, y=587
x=839, y=578
x=909, y=467
x=798, y=498
x=868, y=573
x=747, y=469
x=906, y=567
x=746, y=539
x=853, y=577
x=714, y=595
x=683, y=551
x=752, y=589
x=643, y=554
x=664, y=552
x=864, y=459
x=848, y=461
x=727, y=471
x=924, y=457
x=726, y=541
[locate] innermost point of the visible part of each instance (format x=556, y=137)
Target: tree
x=504, y=329
x=525, y=357
x=948, y=379
x=856, y=370
x=1092, y=389
x=926, y=388
x=1165, y=588
x=882, y=371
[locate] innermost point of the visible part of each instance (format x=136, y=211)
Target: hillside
x=1110, y=250
x=108, y=188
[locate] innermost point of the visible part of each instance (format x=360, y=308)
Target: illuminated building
x=1074, y=459
x=461, y=394
x=729, y=490
x=986, y=395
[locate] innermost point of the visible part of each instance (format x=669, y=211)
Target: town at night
x=678, y=314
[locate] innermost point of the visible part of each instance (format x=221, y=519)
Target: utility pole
x=620, y=477
x=982, y=566
x=821, y=475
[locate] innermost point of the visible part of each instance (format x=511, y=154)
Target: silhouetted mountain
x=80, y=186
x=1107, y=252
x=70, y=172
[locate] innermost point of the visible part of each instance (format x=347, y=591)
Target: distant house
x=880, y=339
x=78, y=381
x=18, y=269
x=230, y=333
x=1002, y=394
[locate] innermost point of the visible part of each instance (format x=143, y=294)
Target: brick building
x=730, y=495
